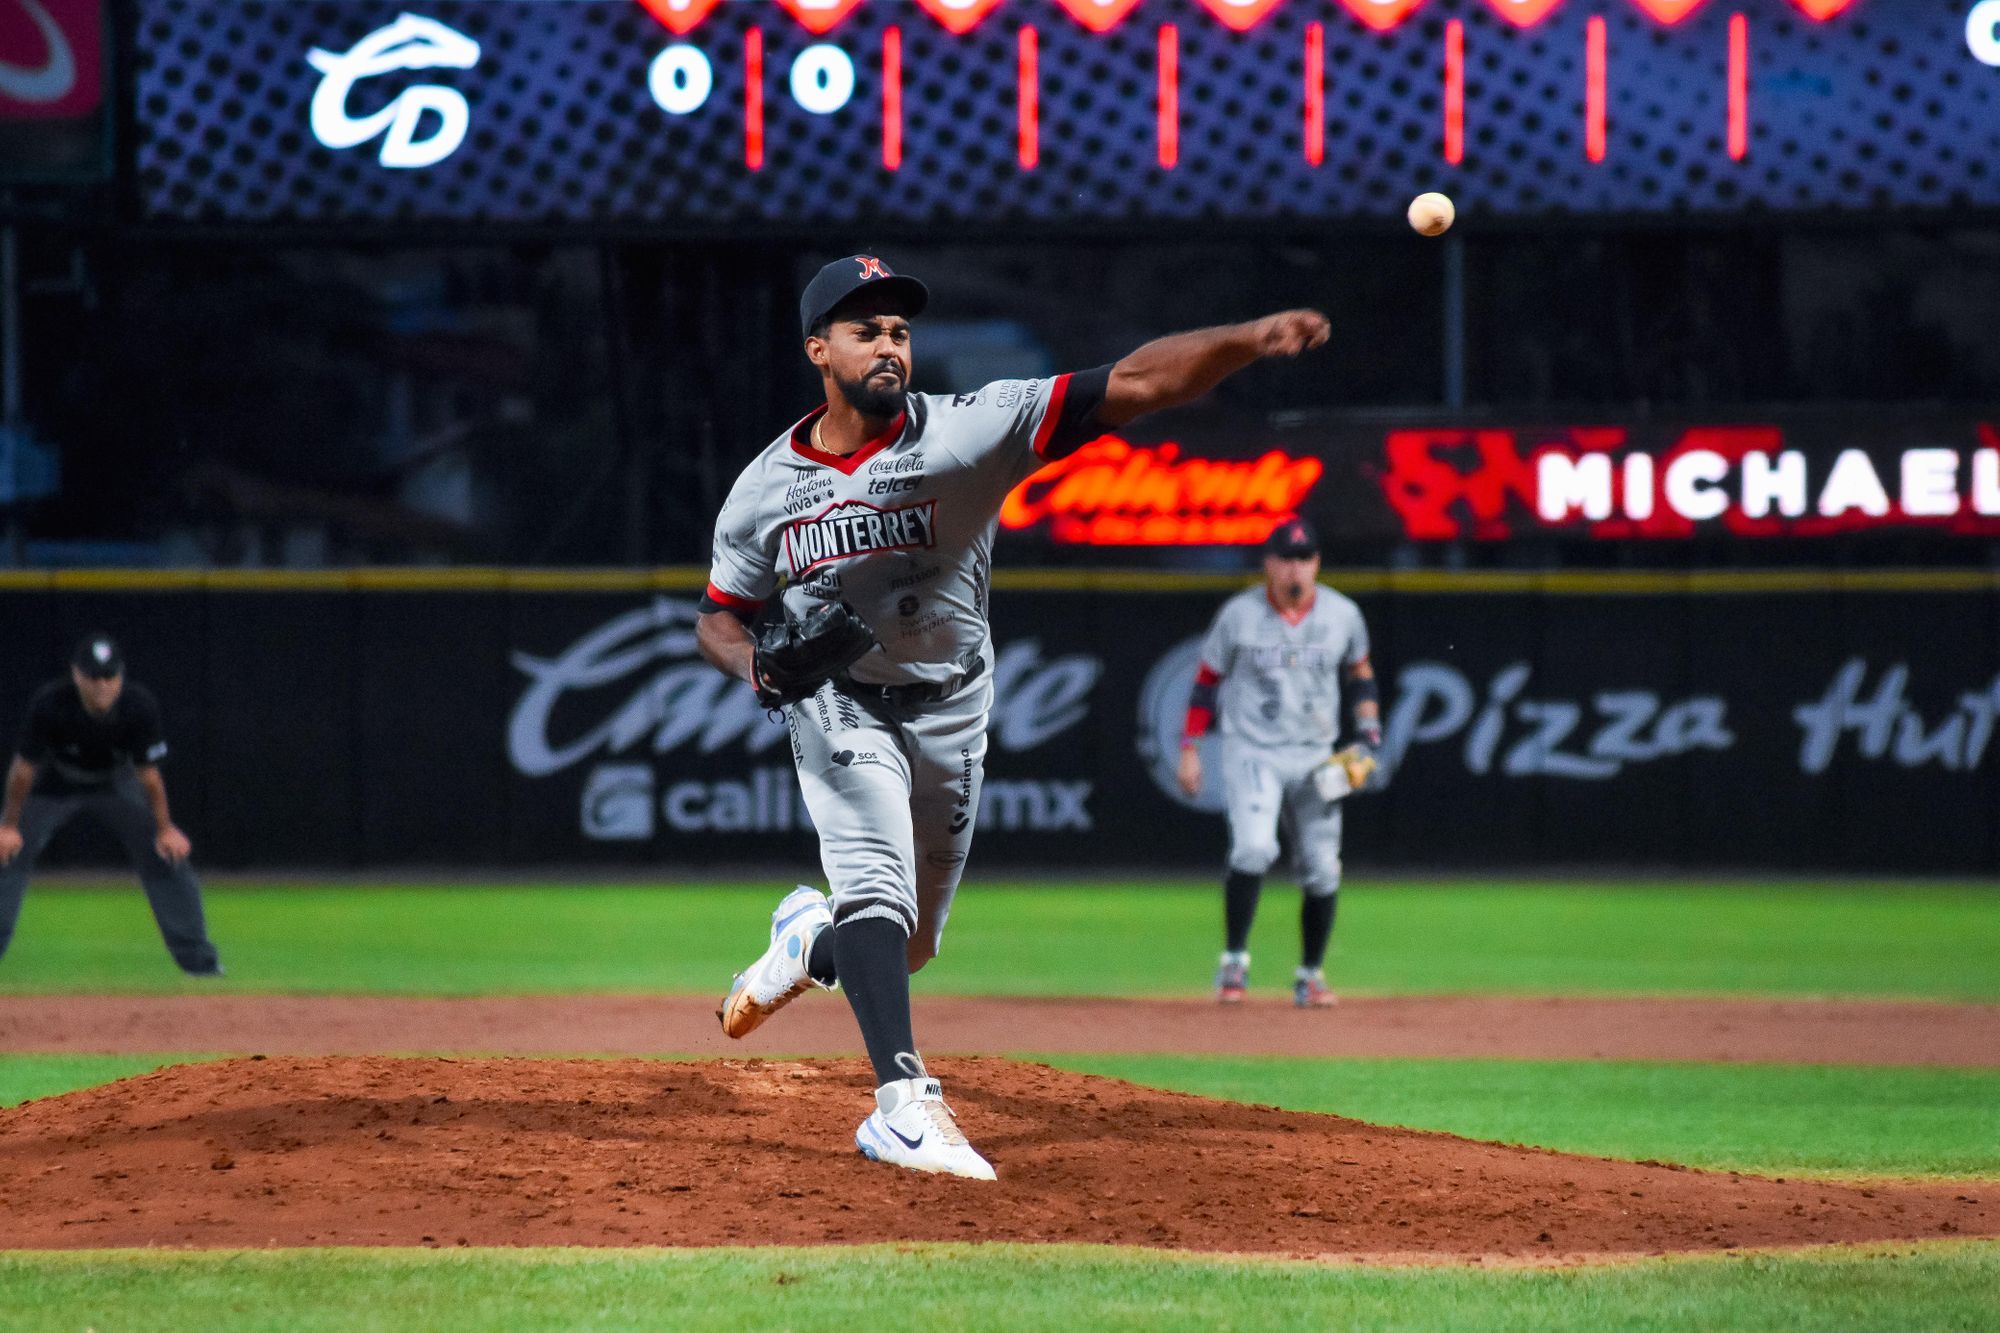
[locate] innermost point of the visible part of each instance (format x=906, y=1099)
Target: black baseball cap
x=1294, y=539
x=844, y=277
x=98, y=658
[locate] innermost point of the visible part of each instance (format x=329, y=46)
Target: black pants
x=171, y=889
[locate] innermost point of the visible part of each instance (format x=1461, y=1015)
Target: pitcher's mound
x=381, y=1151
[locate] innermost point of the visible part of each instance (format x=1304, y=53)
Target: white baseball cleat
x=780, y=976
x=913, y=1127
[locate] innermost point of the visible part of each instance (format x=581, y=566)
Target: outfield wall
x=487, y=717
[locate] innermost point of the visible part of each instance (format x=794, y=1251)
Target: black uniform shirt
x=73, y=751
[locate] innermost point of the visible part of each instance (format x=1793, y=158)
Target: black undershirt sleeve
x=1076, y=424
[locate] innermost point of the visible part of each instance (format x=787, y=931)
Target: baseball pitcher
x=1273, y=665
x=871, y=522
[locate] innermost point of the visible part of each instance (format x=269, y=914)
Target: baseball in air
x=1431, y=214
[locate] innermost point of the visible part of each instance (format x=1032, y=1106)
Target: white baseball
x=1431, y=214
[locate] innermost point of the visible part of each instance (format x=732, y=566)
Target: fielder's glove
x=1344, y=771
x=793, y=658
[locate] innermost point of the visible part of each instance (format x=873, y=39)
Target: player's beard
x=869, y=401
x=1295, y=593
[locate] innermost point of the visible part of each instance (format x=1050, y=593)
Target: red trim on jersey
x=1198, y=720
x=749, y=605
x=1052, y=417
x=1292, y=617
x=843, y=463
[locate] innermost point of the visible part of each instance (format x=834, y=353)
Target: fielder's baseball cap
x=844, y=277
x=1294, y=539
x=98, y=658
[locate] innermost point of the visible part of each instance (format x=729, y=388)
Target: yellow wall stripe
x=691, y=579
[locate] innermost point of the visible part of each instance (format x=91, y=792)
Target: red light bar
x=1242, y=15
x=1669, y=12
x=958, y=16
x=1028, y=96
x=680, y=17
x=1454, y=92
x=1739, y=87
x=1819, y=11
x=1098, y=15
x=1170, y=95
x=1381, y=15
x=892, y=98
x=819, y=17
x=1523, y=13
x=1315, y=93
x=753, y=99
x=1593, y=89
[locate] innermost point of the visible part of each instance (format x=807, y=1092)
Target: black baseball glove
x=793, y=658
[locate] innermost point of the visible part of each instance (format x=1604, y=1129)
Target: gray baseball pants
x=1272, y=788
x=894, y=793
x=171, y=889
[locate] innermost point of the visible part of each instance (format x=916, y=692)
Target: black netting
x=1882, y=106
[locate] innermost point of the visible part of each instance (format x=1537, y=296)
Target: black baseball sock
x=820, y=964
x=1315, y=928
x=875, y=973
x=1239, y=907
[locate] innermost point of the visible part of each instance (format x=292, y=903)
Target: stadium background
x=365, y=464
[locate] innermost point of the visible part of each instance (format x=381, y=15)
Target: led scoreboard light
x=787, y=115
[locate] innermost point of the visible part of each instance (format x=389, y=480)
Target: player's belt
x=907, y=696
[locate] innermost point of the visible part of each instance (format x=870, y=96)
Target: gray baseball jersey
x=1280, y=685
x=902, y=530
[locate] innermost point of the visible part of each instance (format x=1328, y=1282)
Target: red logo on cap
x=871, y=267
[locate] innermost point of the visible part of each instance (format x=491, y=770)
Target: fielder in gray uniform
x=885, y=502
x=1273, y=665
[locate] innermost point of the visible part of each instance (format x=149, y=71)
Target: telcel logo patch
x=411, y=42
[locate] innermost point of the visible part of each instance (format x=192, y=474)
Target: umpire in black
x=92, y=744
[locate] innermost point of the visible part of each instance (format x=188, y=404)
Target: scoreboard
x=714, y=116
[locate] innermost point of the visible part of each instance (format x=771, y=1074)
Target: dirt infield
x=379, y=1151
x=1795, y=1031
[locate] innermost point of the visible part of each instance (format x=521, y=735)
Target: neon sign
x=1115, y=493
x=1742, y=481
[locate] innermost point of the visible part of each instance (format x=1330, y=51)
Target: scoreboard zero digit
x=788, y=115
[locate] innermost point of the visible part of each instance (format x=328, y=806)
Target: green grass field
x=25, y=1077
x=1851, y=939
x=1934, y=1286
x=1847, y=939
x=1773, y=1119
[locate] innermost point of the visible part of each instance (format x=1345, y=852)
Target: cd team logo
x=411, y=42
